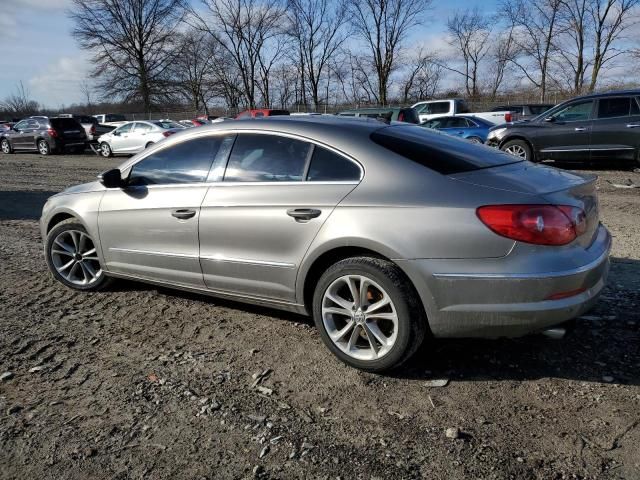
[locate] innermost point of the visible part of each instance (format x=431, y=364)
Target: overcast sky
x=38, y=48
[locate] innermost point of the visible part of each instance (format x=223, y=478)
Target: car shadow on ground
x=601, y=347
x=22, y=205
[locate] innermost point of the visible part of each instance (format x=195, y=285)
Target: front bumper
x=480, y=303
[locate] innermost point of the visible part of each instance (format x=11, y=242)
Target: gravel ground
x=141, y=382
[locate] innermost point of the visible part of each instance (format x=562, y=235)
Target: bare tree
x=19, y=104
x=536, y=24
x=501, y=55
x=573, y=45
x=317, y=28
x=132, y=44
x=470, y=31
x=422, y=80
x=384, y=26
x=86, y=88
x=246, y=29
x=610, y=19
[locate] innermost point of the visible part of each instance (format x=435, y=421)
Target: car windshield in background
x=167, y=125
x=66, y=123
x=440, y=153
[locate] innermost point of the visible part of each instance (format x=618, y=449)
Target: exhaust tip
x=557, y=333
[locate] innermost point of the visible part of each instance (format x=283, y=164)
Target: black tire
x=43, y=147
x=5, y=146
x=101, y=282
x=513, y=146
x=105, y=150
x=412, y=323
x=149, y=144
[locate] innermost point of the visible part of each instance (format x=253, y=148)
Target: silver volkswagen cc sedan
x=384, y=233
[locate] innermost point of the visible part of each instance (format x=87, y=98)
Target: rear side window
x=65, y=123
x=408, y=115
x=267, y=158
x=186, y=162
x=441, y=153
x=614, y=107
x=142, y=127
x=327, y=166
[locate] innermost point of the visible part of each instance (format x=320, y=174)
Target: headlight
x=497, y=133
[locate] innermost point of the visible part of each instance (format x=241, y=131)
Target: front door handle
x=580, y=129
x=303, y=213
x=633, y=125
x=183, y=214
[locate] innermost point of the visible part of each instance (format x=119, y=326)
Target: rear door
x=616, y=129
x=567, y=134
x=258, y=222
x=140, y=136
x=149, y=228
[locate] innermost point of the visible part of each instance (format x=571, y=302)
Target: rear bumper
x=511, y=304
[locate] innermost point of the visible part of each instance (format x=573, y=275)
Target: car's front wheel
x=72, y=257
x=368, y=314
x=6, y=146
x=105, y=150
x=518, y=148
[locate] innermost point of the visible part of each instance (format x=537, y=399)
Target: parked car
x=261, y=112
x=44, y=135
x=193, y=123
x=91, y=126
x=381, y=232
x=396, y=114
x=468, y=127
x=525, y=111
x=452, y=107
x=113, y=119
x=6, y=126
x=600, y=127
x=133, y=137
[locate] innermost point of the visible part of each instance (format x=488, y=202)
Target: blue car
x=464, y=126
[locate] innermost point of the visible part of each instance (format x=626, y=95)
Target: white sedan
x=133, y=137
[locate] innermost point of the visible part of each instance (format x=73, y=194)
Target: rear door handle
x=303, y=213
x=633, y=125
x=580, y=129
x=183, y=214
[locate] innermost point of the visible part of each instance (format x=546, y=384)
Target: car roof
x=612, y=93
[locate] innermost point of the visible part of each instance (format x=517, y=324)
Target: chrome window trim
x=192, y=135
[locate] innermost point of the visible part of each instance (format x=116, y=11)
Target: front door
x=616, y=130
x=257, y=224
x=566, y=135
x=18, y=135
x=120, y=142
x=149, y=228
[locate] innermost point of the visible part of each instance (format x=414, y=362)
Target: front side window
x=614, y=107
x=21, y=125
x=575, y=112
x=142, y=127
x=327, y=166
x=267, y=158
x=186, y=162
x=124, y=128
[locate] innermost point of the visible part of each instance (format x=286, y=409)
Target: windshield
x=444, y=154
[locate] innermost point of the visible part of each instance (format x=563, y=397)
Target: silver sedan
x=133, y=137
x=384, y=233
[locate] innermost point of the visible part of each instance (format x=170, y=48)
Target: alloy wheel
x=359, y=317
x=105, y=149
x=74, y=257
x=43, y=147
x=6, y=148
x=517, y=150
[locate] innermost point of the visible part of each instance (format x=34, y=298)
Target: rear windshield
x=65, y=123
x=439, y=152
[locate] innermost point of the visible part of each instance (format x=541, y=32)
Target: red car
x=261, y=112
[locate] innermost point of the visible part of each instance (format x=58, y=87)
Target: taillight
x=167, y=133
x=537, y=224
x=401, y=117
x=52, y=132
x=508, y=117
x=92, y=130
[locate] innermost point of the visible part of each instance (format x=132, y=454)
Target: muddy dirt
x=141, y=382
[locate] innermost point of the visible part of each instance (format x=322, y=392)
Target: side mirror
x=111, y=178
x=116, y=133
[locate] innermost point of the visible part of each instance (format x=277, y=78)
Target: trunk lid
x=545, y=185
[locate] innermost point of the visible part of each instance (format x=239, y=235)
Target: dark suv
x=45, y=135
x=598, y=127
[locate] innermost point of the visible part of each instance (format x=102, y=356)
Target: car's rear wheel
x=518, y=148
x=105, y=150
x=368, y=314
x=43, y=147
x=149, y=144
x=5, y=145
x=72, y=257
